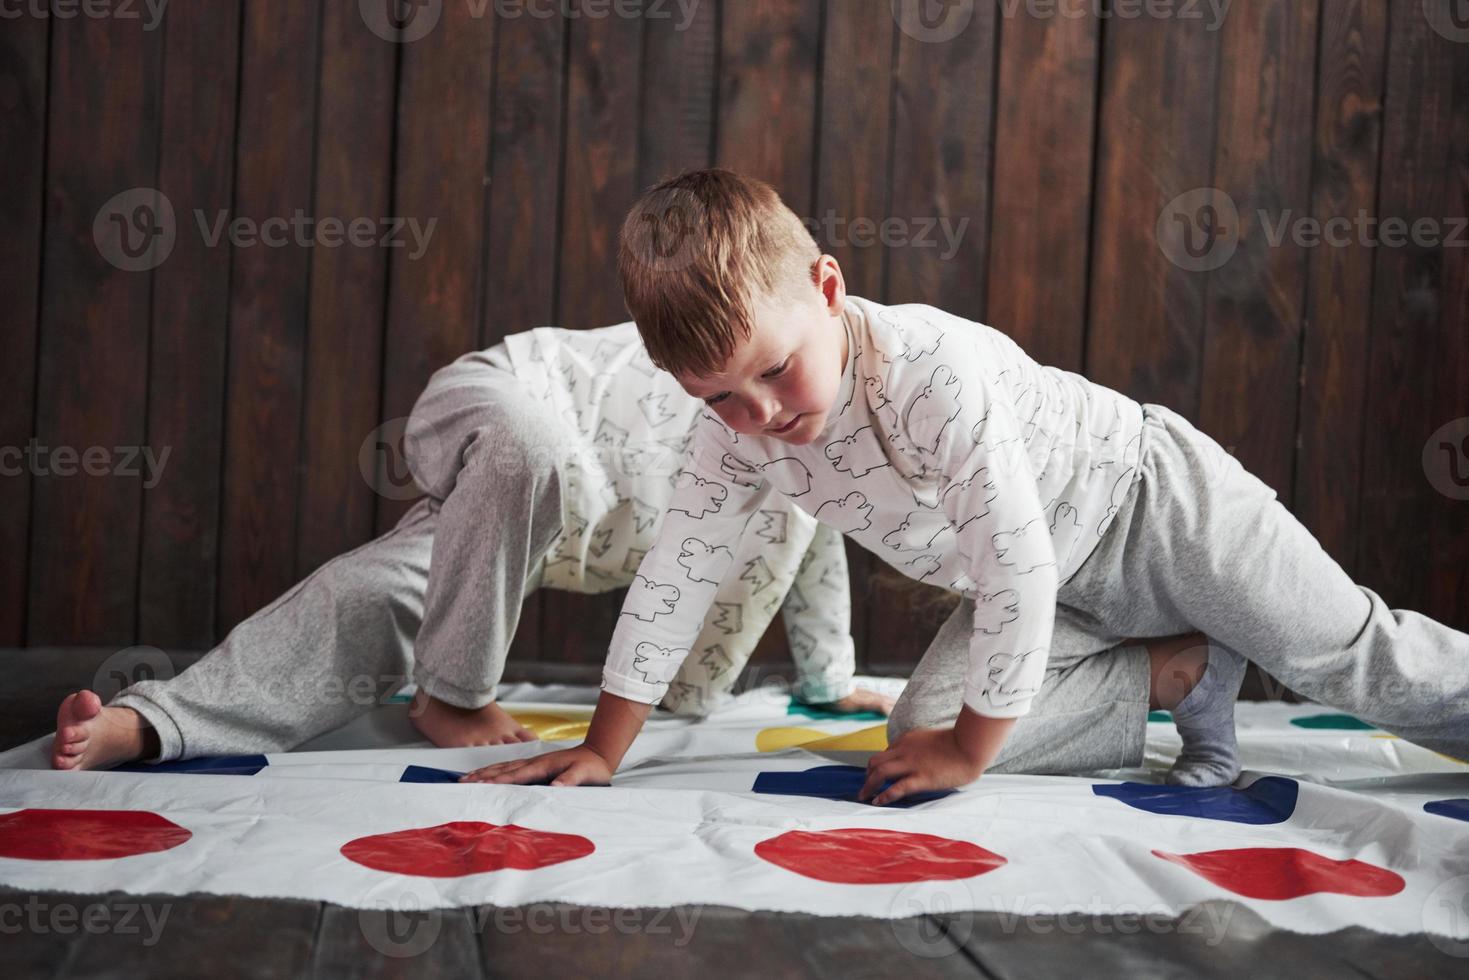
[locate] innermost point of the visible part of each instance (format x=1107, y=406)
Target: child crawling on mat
x=548, y=459
x=1068, y=516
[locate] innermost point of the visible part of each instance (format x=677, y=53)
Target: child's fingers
x=903, y=787
x=500, y=770
x=878, y=775
x=533, y=771
x=575, y=775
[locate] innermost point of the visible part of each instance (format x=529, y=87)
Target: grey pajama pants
x=1200, y=544
x=358, y=627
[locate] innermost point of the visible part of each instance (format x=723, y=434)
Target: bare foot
x=89, y=736
x=450, y=726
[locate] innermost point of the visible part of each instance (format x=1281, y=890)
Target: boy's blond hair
x=696, y=253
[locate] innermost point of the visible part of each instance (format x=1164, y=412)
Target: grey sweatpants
x=355, y=629
x=1199, y=544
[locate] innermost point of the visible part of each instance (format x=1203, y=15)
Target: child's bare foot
x=450, y=726
x=89, y=736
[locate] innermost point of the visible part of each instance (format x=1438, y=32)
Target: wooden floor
x=56, y=934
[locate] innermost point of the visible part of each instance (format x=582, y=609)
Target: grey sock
x=1205, y=721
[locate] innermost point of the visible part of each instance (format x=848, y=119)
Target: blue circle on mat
x=1270, y=799
x=1454, y=809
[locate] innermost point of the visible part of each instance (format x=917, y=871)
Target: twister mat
x=1333, y=824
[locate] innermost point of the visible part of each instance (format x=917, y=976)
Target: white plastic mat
x=1333, y=824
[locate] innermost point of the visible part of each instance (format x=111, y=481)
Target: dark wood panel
x=680, y=55
x=1146, y=321
x=23, y=134
x=767, y=94
x=600, y=184
x=524, y=209
x=186, y=369
x=348, y=293
x=1416, y=384
x=102, y=142
x=1256, y=298
x=1044, y=131
x=1348, y=140
x=943, y=118
x=1448, y=590
x=441, y=166
x=269, y=295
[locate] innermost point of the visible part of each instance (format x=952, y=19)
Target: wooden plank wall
x=1047, y=145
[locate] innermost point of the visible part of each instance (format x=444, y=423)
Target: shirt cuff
x=978, y=701
x=632, y=688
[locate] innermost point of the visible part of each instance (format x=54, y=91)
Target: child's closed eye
x=774, y=372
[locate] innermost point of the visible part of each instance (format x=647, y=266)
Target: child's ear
x=828, y=273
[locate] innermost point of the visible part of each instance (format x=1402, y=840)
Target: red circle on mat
x=859, y=856
x=1287, y=872
x=86, y=835
x=465, y=847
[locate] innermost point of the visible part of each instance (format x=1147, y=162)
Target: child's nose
x=762, y=412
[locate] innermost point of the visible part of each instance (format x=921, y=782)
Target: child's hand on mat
x=918, y=762
x=861, y=699
x=929, y=759
x=580, y=766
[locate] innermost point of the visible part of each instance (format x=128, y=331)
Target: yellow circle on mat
x=1462, y=762
x=873, y=739
x=553, y=728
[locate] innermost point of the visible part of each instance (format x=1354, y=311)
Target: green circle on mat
x=822, y=714
x=1345, y=722
x=1159, y=716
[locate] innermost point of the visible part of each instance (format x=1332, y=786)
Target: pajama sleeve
x=818, y=621
x=678, y=579
x=961, y=424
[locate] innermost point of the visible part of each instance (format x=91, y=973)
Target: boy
x=1067, y=515
x=547, y=460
